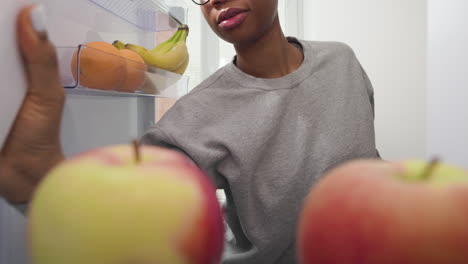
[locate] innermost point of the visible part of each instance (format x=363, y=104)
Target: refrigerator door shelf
x=148, y=15
x=86, y=70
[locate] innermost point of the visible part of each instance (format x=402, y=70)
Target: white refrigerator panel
x=13, y=86
x=89, y=121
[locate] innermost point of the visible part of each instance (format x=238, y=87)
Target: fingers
x=39, y=55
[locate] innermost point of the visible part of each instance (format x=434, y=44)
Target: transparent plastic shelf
x=148, y=15
x=86, y=70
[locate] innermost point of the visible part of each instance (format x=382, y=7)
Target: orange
x=135, y=71
x=100, y=66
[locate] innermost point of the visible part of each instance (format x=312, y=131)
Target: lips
x=229, y=13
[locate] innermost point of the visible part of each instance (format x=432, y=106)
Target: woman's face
x=240, y=21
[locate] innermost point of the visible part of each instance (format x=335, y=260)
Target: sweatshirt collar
x=288, y=81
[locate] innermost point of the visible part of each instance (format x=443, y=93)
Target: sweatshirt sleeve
x=156, y=136
x=369, y=88
x=370, y=93
x=186, y=128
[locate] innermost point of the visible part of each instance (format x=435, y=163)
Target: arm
x=33, y=145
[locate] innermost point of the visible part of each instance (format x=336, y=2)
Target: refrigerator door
x=12, y=91
x=13, y=86
x=89, y=120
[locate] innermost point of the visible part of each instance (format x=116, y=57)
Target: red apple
x=375, y=212
x=106, y=206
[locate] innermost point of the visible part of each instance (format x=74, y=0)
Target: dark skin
x=259, y=41
x=33, y=146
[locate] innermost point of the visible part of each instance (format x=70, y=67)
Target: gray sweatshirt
x=267, y=141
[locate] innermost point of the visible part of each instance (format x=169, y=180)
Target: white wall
x=390, y=39
x=447, y=90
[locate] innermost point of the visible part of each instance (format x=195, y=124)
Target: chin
x=240, y=36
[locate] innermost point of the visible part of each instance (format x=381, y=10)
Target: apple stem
x=136, y=148
x=427, y=173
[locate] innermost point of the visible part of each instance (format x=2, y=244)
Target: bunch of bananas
x=171, y=55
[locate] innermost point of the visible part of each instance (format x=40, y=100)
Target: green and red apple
x=376, y=212
x=112, y=206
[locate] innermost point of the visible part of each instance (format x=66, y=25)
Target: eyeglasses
x=201, y=2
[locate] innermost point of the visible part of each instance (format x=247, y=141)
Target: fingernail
x=38, y=19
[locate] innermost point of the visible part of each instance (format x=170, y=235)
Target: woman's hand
x=33, y=145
